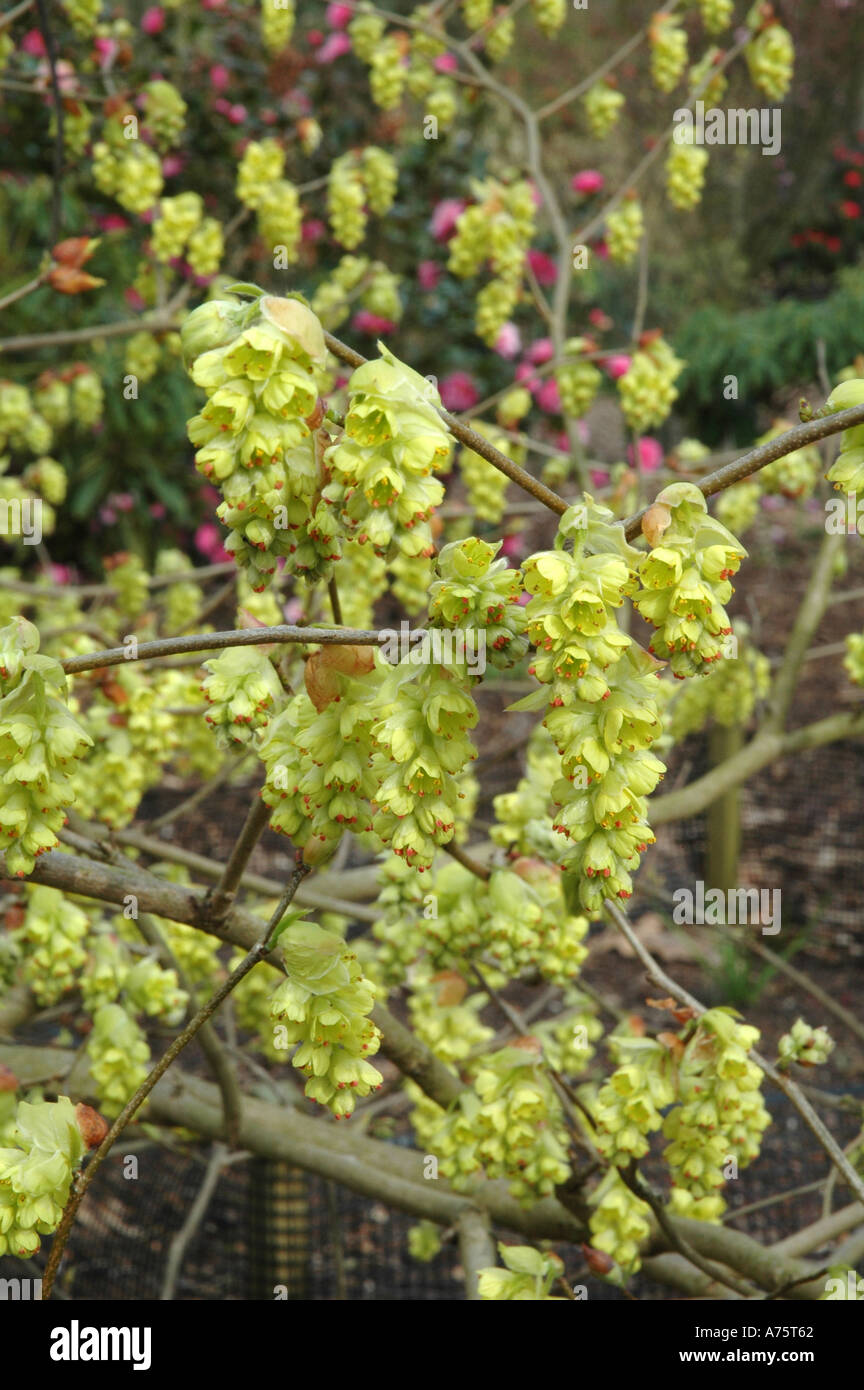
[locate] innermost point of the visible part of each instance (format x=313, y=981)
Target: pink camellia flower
x=525, y=374
x=172, y=165
x=133, y=299
x=157, y=509
x=599, y=477
x=445, y=62
x=548, y=397
x=366, y=322
x=545, y=269
x=313, y=230
x=541, y=350
x=336, y=46
x=509, y=341
x=650, y=454
x=237, y=113
x=111, y=222
x=428, y=274
x=339, y=16
x=513, y=547
x=314, y=38
x=60, y=574
x=222, y=105
x=153, y=20
x=107, y=516
x=268, y=115
x=601, y=250
x=208, y=539
x=587, y=181
x=444, y=217
x=107, y=50
x=458, y=391
x=123, y=501
x=220, y=77
x=34, y=44
x=617, y=365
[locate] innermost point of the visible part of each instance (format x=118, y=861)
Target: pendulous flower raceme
x=324, y=1005
x=509, y=1124
x=647, y=389
x=381, y=489
x=36, y=1172
x=257, y=362
x=51, y=938
x=317, y=752
x=478, y=594
x=721, y=1113
x=685, y=579
x=600, y=688
x=242, y=690
x=668, y=41
x=39, y=739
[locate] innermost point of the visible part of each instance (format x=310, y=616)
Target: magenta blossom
x=153, y=20
x=513, y=547
x=650, y=454
x=548, y=397
x=617, y=365
x=33, y=43
x=599, y=477
x=545, y=269
x=525, y=374
x=587, y=181
x=339, y=16
x=157, y=510
x=107, y=51
x=172, y=165
x=111, y=222
x=133, y=299
x=458, y=391
x=541, y=350
x=314, y=38
x=208, y=539
x=313, y=230
x=444, y=217
x=428, y=274
x=509, y=341
x=220, y=77
x=445, y=62
x=366, y=322
x=601, y=250
x=60, y=574
x=336, y=46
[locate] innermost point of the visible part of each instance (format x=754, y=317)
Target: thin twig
x=197, y=1211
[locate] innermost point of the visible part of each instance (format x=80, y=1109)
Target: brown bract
x=324, y=669
x=655, y=521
